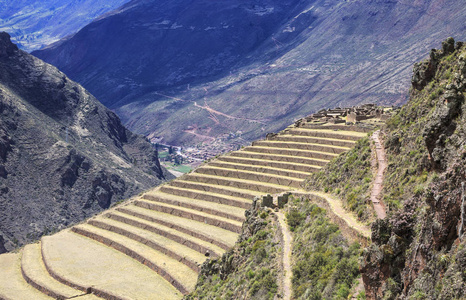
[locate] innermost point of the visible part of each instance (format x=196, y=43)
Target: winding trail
x=377, y=188
x=287, y=248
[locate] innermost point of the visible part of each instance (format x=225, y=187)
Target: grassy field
x=163, y=154
x=178, y=168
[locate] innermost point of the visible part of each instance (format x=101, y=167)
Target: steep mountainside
x=418, y=252
x=63, y=155
x=34, y=24
x=187, y=72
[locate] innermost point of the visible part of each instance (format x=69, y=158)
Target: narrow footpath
x=377, y=187
x=287, y=248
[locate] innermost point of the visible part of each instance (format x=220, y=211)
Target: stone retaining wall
x=291, y=159
x=251, y=185
x=314, y=140
x=212, y=189
x=300, y=146
x=160, y=248
x=285, y=181
x=176, y=227
x=189, y=215
x=192, y=205
x=291, y=152
x=279, y=172
x=188, y=243
x=272, y=163
x=328, y=135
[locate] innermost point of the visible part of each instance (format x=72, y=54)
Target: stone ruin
x=268, y=200
x=349, y=115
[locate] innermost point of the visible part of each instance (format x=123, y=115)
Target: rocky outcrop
x=6, y=47
x=425, y=71
x=442, y=125
x=63, y=155
x=2, y=245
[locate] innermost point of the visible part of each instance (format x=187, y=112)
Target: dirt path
x=377, y=188
x=213, y=112
x=336, y=208
x=287, y=248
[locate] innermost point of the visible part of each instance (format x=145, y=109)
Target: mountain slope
x=63, y=155
x=418, y=250
x=156, y=44
x=34, y=24
x=294, y=58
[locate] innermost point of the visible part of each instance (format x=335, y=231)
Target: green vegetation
x=348, y=177
x=249, y=270
x=326, y=266
x=163, y=154
x=178, y=168
x=413, y=131
x=182, y=168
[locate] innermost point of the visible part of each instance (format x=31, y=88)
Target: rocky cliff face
x=63, y=155
x=34, y=24
x=418, y=252
x=205, y=68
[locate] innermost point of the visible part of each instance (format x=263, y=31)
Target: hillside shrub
x=326, y=265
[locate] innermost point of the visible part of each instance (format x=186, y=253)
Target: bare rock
x=2, y=245
x=7, y=48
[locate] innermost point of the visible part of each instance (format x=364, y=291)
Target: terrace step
x=209, y=233
x=182, y=277
x=281, y=158
x=248, y=175
x=239, y=183
x=35, y=273
x=223, y=190
x=298, y=167
x=260, y=169
x=313, y=140
x=191, y=258
x=291, y=152
x=187, y=213
x=339, y=127
x=327, y=133
x=90, y=265
x=204, y=196
x=12, y=283
x=194, y=243
x=221, y=210
x=302, y=146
